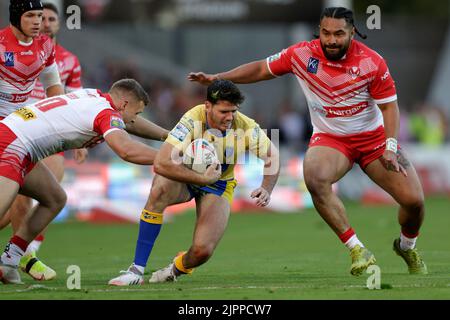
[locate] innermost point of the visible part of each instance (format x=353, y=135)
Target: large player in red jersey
x=25, y=56
x=353, y=105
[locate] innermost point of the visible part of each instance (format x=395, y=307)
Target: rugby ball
x=199, y=154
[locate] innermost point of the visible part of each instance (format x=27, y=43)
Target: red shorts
x=362, y=148
x=15, y=162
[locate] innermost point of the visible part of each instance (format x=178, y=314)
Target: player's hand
x=80, y=155
x=262, y=197
x=389, y=161
x=202, y=78
x=213, y=173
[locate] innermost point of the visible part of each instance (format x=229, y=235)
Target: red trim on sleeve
x=102, y=122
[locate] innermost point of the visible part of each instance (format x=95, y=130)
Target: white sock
x=33, y=246
x=139, y=268
x=407, y=243
x=353, y=241
x=12, y=254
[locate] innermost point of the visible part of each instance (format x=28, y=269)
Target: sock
x=14, y=251
x=350, y=239
x=35, y=244
x=149, y=228
x=178, y=261
x=407, y=241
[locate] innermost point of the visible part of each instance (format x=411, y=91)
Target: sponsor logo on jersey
x=339, y=112
x=274, y=57
x=313, y=65
x=9, y=59
x=26, y=53
x=117, y=122
x=180, y=132
x=25, y=113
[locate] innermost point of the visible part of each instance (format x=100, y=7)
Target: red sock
x=347, y=235
x=410, y=235
x=18, y=241
x=40, y=238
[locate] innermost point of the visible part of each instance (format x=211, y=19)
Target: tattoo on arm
x=401, y=158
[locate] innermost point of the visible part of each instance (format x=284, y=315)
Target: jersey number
x=51, y=103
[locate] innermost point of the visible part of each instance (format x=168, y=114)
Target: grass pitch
x=262, y=256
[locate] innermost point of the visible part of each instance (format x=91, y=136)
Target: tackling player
x=80, y=119
x=70, y=74
x=25, y=56
x=353, y=105
x=232, y=133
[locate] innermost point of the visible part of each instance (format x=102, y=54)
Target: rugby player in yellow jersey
x=232, y=134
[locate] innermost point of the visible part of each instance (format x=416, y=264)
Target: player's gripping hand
x=202, y=78
x=213, y=173
x=389, y=161
x=262, y=197
x=80, y=155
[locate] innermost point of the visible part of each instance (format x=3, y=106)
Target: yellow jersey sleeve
x=256, y=139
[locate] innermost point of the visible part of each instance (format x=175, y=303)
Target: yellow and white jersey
x=244, y=135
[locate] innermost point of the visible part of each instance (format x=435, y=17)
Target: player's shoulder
x=364, y=51
x=196, y=113
x=44, y=42
x=243, y=121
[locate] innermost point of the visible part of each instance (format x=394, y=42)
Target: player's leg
x=164, y=192
x=41, y=185
x=8, y=192
x=55, y=164
x=213, y=211
x=408, y=193
x=322, y=167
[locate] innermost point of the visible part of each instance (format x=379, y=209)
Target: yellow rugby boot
x=361, y=260
x=31, y=265
x=412, y=259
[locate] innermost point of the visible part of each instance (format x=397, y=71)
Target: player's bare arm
x=391, y=117
x=146, y=129
x=271, y=173
x=168, y=164
x=129, y=149
x=247, y=73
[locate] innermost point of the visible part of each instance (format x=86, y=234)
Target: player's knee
x=414, y=204
x=202, y=252
x=58, y=200
x=159, y=195
x=317, y=185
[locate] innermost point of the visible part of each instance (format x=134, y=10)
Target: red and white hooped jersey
x=69, y=71
x=80, y=119
x=20, y=66
x=342, y=95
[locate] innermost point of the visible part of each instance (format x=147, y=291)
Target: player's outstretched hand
x=213, y=173
x=202, y=78
x=389, y=161
x=80, y=155
x=262, y=197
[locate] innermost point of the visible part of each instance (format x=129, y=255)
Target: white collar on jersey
x=26, y=44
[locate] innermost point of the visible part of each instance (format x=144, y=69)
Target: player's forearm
x=247, y=73
x=138, y=153
x=146, y=129
x=270, y=179
x=55, y=90
x=167, y=168
x=391, y=118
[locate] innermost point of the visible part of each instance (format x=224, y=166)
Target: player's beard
x=338, y=54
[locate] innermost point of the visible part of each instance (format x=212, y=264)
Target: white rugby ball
x=199, y=154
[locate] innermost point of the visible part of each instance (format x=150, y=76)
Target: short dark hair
x=133, y=87
x=341, y=13
x=50, y=6
x=224, y=90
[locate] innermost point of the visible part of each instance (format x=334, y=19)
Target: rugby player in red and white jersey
x=25, y=56
x=79, y=119
x=353, y=105
x=70, y=75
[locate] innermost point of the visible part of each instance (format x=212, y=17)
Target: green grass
x=262, y=256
